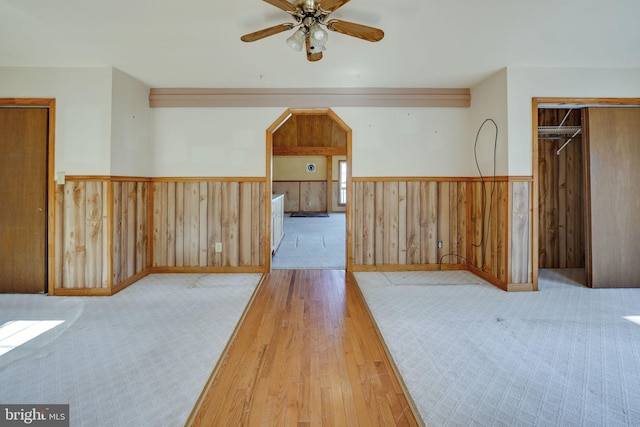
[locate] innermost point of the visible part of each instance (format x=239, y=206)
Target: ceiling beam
x=310, y=98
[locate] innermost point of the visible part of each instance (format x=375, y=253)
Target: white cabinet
x=277, y=221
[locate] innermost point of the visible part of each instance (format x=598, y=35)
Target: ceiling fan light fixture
x=296, y=41
x=313, y=24
x=317, y=38
x=317, y=33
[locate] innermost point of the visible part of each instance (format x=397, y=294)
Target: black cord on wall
x=484, y=238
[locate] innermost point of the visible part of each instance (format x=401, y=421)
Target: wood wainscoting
x=101, y=234
x=444, y=223
x=111, y=231
x=191, y=215
x=309, y=196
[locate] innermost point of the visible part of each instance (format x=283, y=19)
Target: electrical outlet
x=439, y=244
x=218, y=246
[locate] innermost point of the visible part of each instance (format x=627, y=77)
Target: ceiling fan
x=311, y=16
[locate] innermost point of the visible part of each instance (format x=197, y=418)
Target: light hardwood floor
x=306, y=354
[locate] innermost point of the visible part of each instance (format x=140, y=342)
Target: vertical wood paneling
x=520, y=232
x=160, y=213
x=477, y=224
x=449, y=255
x=130, y=238
x=202, y=213
x=462, y=222
x=203, y=238
x=390, y=228
x=59, y=235
x=560, y=193
x=428, y=222
x=313, y=196
x=244, y=224
x=563, y=207
x=74, y=237
x=488, y=216
x=188, y=218
x=86, y=211
x=230, y=194
x=192, y=223
x=215, y=222
x=444, y=218
x=502, y=231
x=368, y=226
x=179, y=221
x=170, y=238
x=94, y=235
x=400, y=223
x=117, y=230
x=254, y=239
x=358, y=231
x=310, y=196
x=142, y=227
x=130, y=229
x=413, y=223
x=291, y=191
x=379, y=218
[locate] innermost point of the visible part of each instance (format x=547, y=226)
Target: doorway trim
x=560, y=103
x=269, y=161
x=50, y=104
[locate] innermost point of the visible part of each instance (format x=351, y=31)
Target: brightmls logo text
x=34, y=415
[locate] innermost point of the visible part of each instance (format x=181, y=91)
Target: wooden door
x=23, y=199
x=613, y=185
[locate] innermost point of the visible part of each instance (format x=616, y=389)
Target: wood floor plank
x=306, y=354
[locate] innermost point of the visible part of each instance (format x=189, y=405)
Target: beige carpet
x=473, y=355
x=138, y=358
x=312, y=243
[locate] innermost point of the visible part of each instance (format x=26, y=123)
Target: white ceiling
x=427, y=43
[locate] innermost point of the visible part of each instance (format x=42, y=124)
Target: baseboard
x=130, y=281
x=407, y=267
x=241, y=269
x=520, y=287
x=82, y=292
x=99, y=292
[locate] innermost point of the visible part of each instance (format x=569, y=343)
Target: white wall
x=386, y=141
x=489, y=101
x=408, y=141
x=211, y=142
x=131, y=127
x=83, y=112
x=523, y=84
x=96, y=133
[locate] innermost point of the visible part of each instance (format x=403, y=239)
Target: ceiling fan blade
x=332, y=5
x=251, y=37
x=312, y=56
x=284, y=5
x=356, y=30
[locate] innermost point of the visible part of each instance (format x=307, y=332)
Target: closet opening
x=586, y=163
x=561, y=207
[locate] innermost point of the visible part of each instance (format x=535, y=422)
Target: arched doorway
x=311, y=134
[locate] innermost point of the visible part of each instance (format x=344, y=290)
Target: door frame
x=50, y=104
x=269, y=162
x=560, y=103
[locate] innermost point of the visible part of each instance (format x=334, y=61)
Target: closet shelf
x=559, y=130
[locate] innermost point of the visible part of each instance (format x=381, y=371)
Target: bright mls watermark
x=34, y=415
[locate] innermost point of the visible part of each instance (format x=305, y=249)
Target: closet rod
x=567, y=143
